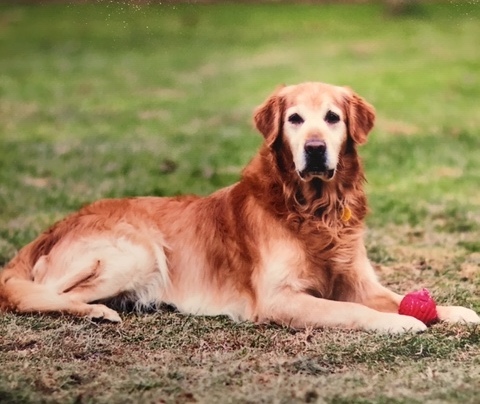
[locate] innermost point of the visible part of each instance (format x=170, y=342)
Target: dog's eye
x=295, y=119
x=332, y=117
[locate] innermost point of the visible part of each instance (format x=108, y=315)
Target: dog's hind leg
x=77, y=273
x=29, y=297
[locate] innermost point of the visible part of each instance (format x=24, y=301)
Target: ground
x=110, y=100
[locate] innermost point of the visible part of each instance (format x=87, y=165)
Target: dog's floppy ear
x=268, y=117
x=360, y=116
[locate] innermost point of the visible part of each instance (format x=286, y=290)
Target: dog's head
x=315, y=120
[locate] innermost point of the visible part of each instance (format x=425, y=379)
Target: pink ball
x=419, y=305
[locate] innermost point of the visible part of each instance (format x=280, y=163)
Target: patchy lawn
x=110, y=100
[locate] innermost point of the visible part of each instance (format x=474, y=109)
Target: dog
x=283, y=245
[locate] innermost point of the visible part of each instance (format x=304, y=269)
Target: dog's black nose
x=315, y=147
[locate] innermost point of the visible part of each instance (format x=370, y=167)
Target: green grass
x=112, y=100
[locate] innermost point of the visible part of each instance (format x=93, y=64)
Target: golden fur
x=284, y=244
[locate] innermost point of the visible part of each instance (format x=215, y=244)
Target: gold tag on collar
x=346, y=214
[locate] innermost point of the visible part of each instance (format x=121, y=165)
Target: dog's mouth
x=317, y=163
x=324, y=175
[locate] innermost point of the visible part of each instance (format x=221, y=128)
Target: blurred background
x=109, y=99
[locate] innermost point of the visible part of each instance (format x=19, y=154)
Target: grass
x=109, y=100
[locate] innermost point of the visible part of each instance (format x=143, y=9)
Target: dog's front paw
x=457, y=314
x=391, y=323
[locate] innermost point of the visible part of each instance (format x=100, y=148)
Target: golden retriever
x=284, y=244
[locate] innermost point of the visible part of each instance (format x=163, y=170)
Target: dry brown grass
x=168, y=357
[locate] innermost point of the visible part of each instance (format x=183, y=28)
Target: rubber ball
x=420, y=305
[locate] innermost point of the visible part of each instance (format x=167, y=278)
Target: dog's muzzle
x=316, y=164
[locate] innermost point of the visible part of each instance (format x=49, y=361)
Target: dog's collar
x=346, y=214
